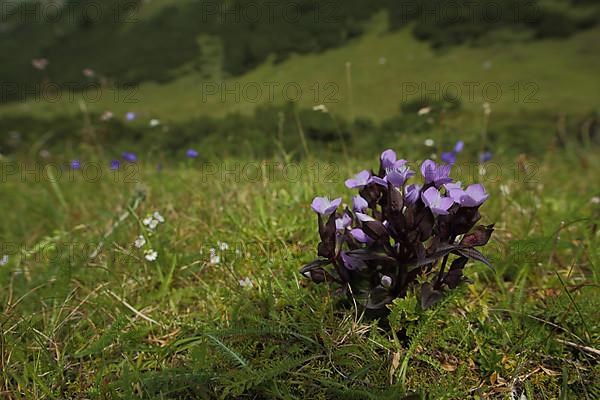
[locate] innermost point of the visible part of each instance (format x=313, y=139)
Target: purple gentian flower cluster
x=396, y=231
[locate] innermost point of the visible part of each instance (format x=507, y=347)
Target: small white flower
x=595, y=200
x=429, y=142
x=246, y=283
x=140, y=242
x=4, y=260
x=153, y=224
x=158, y=217
x=154, y=123
x=214, y=257
x=321, y=107
x=223, y=246
x=150, y=255
x=106, y=116
x=482, y=170
x=487, y=109
x=382, y=60
x=148, y=220
x=505, y=190
x=424, y=111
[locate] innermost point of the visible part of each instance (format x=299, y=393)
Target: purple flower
x=458, y=147
x=324, y=206
x=437, y=203
x=388, y=158
x=352, y=263
x=472, y=196
x=485, y=157
x=360, y=180
x=411, y=193
x=449, y=157
x=438, y=175
x=75, y=164
x=115, y=164
x=342, y=223
x=191, y=153
x=129, y=157
x=130, y=116
x=398, y=175
x=360, y=235
x=359, y=204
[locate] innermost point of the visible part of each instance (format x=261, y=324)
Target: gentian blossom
x=75, y=164
x=449, y=157
x=129, y=157
x=388, y=158
x=191, y=153
x=130, y=116
x=438, y=175
x=398, y=175
x=324, y=206
x=342, y=223
x=437, y=203
x=359, y=203
x=485, y=157
x=411, y=193
x=472, y=196
x=360, y=180
x=115, y=164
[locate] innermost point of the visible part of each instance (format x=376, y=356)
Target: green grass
x=118, y=326
x=560, y=75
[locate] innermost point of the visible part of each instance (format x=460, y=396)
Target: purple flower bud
x=75, y=164
x=386, y=281
x=130, y=116
x=352, y=263
x=115, y=164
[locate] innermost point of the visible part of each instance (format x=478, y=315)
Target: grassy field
x=386, y=69
x=86, y=315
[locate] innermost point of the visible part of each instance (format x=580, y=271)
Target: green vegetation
x=118, y=326
x=88, y=311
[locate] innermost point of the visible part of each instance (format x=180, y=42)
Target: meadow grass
x=85, y=315
x=516, y=76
